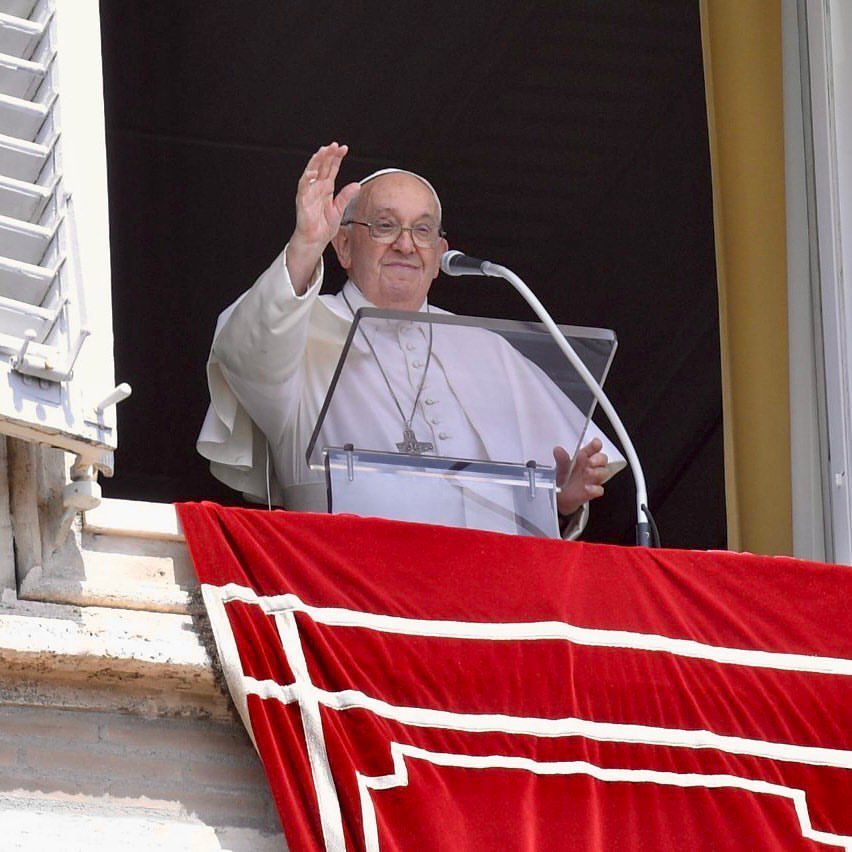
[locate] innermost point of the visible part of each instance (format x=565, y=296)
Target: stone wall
x=115, y=732
x=72, y=779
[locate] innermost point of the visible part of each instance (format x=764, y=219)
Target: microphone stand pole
x=643, y=527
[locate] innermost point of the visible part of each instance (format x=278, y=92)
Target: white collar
x=358, y=300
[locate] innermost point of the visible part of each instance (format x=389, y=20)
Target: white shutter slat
x=24, y=240
x=18, y=8
x=23, y=160
x=20, y=78
x=21, y=119
x=17, y=318
x=20, y=36
x=26, y=282
x=23, y=200
x=10, y=345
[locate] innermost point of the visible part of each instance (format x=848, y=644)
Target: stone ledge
x=132, y=555
x=111, y=584
x=134, y=518
x=100, y=658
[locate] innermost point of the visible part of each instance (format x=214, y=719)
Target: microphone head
x=457, y=263
x=446, y=261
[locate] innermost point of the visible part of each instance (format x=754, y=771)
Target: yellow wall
x=742, y=68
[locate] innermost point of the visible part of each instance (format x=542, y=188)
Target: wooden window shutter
x=56, y=353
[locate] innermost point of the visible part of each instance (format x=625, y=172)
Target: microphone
x=456, y=263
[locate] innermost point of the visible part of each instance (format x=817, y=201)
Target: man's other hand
x=318, y=213
x=586, y=479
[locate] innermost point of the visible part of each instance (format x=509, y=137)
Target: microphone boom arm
x=643, y=527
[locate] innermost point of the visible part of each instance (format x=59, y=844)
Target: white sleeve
x=262, y=336
x=576, y=523
x=253, y=375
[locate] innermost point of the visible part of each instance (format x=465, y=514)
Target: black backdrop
x=567, y=138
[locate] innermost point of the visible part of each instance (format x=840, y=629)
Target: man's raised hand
x=318, y=213
x=587, y=476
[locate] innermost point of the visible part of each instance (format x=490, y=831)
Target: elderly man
x=275, y=349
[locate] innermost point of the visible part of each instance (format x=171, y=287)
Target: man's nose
x=404, y=242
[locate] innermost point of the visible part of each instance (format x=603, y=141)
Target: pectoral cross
x=410, y=444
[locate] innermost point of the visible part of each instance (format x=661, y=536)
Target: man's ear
x=342, y=243
x=442, y=247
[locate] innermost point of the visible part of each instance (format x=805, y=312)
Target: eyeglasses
x=388, y=231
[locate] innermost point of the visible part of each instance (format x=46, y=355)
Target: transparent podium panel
x=447, y=413
x=453, y=492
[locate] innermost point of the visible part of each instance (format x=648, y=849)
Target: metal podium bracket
x=531, y=466
x=349, y=449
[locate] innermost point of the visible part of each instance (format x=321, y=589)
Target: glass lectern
x=452, y=420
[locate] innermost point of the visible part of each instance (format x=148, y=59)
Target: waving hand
x=318, y=212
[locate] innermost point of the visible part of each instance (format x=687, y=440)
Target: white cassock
x=273, y=357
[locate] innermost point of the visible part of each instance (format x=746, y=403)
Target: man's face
x=395, y=275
